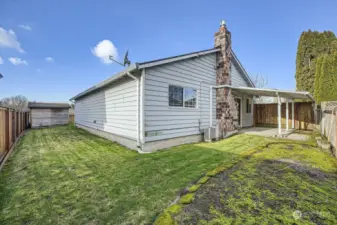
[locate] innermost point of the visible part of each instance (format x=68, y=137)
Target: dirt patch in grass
x=283, y=184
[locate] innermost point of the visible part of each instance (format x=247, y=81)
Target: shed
x=48, y=114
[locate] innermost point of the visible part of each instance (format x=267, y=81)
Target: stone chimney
x=226, y=108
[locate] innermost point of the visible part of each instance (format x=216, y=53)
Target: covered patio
x=273, y=132
x=290, y=98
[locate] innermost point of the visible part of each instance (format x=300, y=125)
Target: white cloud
x=17, y=61
x=49, y=59
x=8, y=39
x=1, y=61
x=103, y=50
x=26, y=27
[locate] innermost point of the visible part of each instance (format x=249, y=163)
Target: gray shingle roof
x=147, y=64
x=48, y=105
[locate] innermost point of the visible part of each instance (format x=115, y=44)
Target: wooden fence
x=327, y=121
x=12, y=124
x=71, y=118
x=266, y=115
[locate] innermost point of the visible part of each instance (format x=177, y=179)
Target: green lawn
x=64, y=175
x=284, y=183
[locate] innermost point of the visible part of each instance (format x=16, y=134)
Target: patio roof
x=269, y=92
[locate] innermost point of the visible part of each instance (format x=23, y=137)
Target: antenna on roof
x=126, y=59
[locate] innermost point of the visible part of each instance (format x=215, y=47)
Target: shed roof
x=147, y=64
x=48, y=105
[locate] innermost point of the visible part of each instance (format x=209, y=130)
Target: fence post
x=16, y=124
x=7, y=129
x=2, y=133
x=21, y=121
x=335, y=111
x=10, y=128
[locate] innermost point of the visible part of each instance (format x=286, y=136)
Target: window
x=190, y=97
x=248, y=105
x=182, y=97
x=176, y=96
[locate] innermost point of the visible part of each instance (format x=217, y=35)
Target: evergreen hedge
x=328, y=78
x=311, y=46
x=319, y=63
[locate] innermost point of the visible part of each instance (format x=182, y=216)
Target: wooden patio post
x=335, y=109
x=287, y=114
x=293, y=114
x=279, y=114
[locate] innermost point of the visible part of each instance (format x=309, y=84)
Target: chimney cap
x=222, y=23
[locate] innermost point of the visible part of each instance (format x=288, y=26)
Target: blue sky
x=264, y=36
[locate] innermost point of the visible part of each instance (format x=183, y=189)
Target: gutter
x=108, y=81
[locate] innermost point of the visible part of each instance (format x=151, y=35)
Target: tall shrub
x=319, y=63
x=311, y=45
x=328, y=78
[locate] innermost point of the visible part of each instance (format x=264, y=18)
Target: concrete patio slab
x=273, y=132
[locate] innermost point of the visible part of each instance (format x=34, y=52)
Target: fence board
x=71, y=119
x=266, y=115
x=12, y=124
x=2, y=133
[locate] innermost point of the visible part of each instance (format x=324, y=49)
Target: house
x=48, y=114
x=167, y=102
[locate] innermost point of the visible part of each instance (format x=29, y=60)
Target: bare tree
x=260, y=81
x=17, y=103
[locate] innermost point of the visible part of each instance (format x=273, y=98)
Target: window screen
x=176, y=96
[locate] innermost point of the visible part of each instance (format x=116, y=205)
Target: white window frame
x=183, y=107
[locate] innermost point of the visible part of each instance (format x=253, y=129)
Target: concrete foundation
x=148, y=146
x=167, y=143
x=129, y=143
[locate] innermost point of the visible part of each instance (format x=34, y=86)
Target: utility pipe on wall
x=137, y=113
x=210, y=106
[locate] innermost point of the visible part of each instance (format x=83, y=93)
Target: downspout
x=210, y=106
x=138, y=111
x=138, y=102
x=210, y=111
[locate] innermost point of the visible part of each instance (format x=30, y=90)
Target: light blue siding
x=238, y=76
x=163, y=121
x=239, y=79
x=112, y=109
